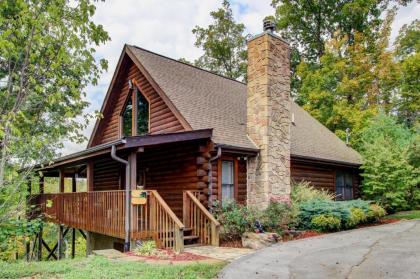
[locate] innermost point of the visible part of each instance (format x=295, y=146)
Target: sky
x=165, y=26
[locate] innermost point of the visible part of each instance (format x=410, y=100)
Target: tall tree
x=352, y=82
x=391, y=176
x=223, y=43
x=47, y=59
x=408, y=53
x=309, y=24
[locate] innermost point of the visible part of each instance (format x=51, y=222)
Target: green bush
x=237, y=219
x=325, y=223
x=340, y=209
x=375, y=213
x=357, y=216
x=276, y=217
x=391, y=164
x=146, y=248
x=303, y=191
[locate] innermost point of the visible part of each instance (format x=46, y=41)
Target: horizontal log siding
x=106, y=175
x=173, y=169
x=162, y=120
x=323, y=176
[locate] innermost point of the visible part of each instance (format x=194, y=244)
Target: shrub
x=390, y=168
x=339, y=209
x=276, y=217
x=303, y=191
x=375, y=213
x=146, y=248
x=325, y=223
x=235, y=220
x=357, y=216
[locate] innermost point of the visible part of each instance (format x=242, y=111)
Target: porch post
x=60, y=214
x=28, y=197
x=89, y=176
x=41, y=191
x=132, y=160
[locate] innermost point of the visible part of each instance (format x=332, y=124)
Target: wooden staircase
x=189, y=238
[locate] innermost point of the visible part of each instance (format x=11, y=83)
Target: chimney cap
x=268, y=25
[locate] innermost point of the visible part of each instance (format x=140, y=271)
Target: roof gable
x=163, y=119
x=207, y=100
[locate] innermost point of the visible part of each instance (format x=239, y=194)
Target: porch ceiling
x=125, y=144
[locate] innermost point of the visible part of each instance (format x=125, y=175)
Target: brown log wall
x=173, y=169
x=162, y=120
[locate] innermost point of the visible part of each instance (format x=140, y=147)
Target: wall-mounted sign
x=138, y=197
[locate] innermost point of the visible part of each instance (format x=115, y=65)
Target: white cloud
x=165, y=27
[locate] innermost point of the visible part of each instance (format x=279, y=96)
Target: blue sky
x=165, y=27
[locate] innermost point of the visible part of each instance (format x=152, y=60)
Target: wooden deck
x=104, y=212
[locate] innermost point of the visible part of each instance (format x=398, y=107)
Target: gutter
x=127, y=196
x=218, y=155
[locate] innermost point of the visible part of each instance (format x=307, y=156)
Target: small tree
x=223, y=43
x=389, y=174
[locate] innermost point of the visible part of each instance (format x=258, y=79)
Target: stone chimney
x=268, y=117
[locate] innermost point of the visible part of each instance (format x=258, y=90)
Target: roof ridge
x=187, y=64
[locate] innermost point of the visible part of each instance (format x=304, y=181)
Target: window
x=127, y=119
x=228, y=192
x=142, y=114
x=344, y=185
x=137, y=115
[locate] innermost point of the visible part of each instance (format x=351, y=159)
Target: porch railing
x=200, y=220
x=157, y=221
x=103, y=212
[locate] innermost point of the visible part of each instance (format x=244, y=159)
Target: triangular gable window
x=135, y=118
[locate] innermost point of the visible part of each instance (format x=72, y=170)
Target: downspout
x=219, y=153
x=127, y=196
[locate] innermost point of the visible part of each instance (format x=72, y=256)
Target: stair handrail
x=215, y=225
x=162, y=202
x=178, y=234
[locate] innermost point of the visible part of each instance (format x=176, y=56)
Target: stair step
x=193, y=245
x=190, y=237
x=187, y=229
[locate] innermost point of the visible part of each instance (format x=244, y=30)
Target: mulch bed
x=237, y=243
x=170, y=255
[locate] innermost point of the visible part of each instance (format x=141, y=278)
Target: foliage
x=223, y=43
x=351, y=83
x=276, y=217
x=357, y=216
x=390, y=177
x=408, y=53
x=237, y=219
x=303, y=191
x=47, y=59
x=375, y=213
x=325, y=223
x=412, y=214
x=309, y=24
x=14, y=233
x=339, y=209
x=146, y=248
x=99, y=267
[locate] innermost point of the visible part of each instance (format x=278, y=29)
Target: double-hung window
x=344, y=185
x=228, y=181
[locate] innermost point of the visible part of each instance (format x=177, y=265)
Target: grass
x=99, y=267
x=412, y=214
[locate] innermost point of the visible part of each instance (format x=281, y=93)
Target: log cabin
x=182, y=138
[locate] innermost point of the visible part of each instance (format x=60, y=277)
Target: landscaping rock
x=258, y=240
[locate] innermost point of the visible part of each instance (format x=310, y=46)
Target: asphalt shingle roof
x=207, y=100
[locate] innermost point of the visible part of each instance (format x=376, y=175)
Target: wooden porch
x=104, y=212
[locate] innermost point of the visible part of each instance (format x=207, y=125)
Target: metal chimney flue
x=268, y=25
